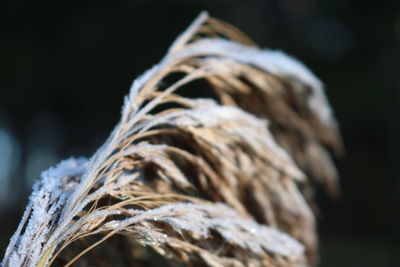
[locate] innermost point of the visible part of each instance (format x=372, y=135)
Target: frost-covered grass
x=220, y=182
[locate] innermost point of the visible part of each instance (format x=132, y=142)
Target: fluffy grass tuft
x=220, y=182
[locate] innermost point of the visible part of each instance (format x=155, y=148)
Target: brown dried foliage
x=161, y=178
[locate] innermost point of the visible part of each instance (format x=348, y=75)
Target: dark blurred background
x=65, y=66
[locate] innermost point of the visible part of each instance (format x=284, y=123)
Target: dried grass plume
x=225, y=181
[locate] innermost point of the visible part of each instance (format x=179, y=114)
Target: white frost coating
x=210, y=115
x=274, y=62
x=46, y=201
x=129, y=106
x=201, y=218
